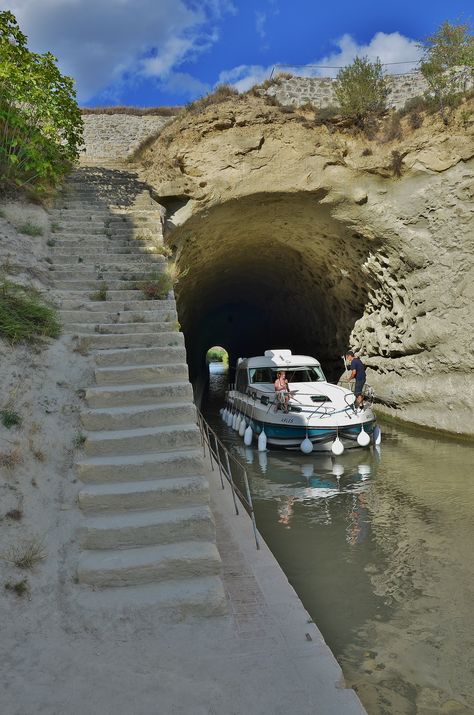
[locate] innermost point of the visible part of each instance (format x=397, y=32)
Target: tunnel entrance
x=270, y=271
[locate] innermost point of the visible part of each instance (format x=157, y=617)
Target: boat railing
x=230, y=470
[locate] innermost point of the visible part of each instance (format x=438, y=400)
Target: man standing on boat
x=358, y=374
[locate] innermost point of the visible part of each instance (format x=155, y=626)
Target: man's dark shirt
x=359, y=368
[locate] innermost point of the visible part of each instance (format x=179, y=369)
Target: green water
x=379, y=546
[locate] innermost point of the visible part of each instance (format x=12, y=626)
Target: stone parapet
x=117, y=136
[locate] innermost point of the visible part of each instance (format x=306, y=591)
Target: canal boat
x=313, y=415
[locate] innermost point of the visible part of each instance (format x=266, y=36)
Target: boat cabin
x=261, y=372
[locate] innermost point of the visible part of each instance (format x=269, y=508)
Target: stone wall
x=320, y=90
x=114, y=137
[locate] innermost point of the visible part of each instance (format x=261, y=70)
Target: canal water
x=379, y=546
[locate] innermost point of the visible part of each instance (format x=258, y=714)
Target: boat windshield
x=311, y=373
x=305, y=373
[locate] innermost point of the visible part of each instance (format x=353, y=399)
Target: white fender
x=262, y=441
x=234, y=420
x=363, y=439
x=306, y=446
x=230, y=418
x=242, y=428
x=248, y=436
x=337, y=447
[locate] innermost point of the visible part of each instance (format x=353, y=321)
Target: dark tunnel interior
x=269, y=271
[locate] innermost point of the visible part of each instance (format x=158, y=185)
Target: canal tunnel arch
x=269, y=270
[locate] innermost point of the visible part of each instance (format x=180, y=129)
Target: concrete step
x=141, y=356
x=166, y=438
x=166, y=466
x=135, y=417
x=139, y=374
x=139, y=315
x=125, y=567
x=144, y=528
x=136, y=394
x=148, y=340
x=169, y=493
x=130, y=329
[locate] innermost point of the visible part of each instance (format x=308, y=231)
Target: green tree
x=40, y=121
x=448, y=64
x=361, y=90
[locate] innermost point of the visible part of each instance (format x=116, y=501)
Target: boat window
x=320, y=398
x=242, y=381
x=261, y=374
x=305, y=373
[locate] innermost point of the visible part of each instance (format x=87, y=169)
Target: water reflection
x=378, y=544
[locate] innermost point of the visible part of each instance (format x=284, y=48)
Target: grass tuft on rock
x=26, y=554
x=19, y=588
x=23, y=315
x=30, y=229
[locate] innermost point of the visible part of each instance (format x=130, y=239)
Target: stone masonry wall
x=114, y=137
x=320, y=90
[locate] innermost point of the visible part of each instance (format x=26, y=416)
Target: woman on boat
x=282, y=390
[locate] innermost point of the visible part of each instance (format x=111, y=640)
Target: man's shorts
x=359, y=387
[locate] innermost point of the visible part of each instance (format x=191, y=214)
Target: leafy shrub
x=217, y=354
x=40, y=122
x=361, y=90
x=10, y=418
x=23, y=315
x=448, y=64
x=157, y=286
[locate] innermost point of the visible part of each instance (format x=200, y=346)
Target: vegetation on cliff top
x=40, y=121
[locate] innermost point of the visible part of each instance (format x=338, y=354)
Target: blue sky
x=159, y=52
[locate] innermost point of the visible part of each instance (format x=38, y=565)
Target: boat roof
x=278, y=358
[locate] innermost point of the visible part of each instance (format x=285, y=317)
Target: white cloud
x=392, y=47
x=99, y=42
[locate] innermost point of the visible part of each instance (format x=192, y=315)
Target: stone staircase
x=144, y=499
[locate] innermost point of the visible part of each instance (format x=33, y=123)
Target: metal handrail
x=219, y=454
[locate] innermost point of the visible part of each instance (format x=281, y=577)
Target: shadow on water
x=379, y=548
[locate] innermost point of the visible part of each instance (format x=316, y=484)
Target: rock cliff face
x=296, y=235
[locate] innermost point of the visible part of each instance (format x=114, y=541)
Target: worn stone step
x=139, y=394
x=141, y=356
x=110, y=258
x=130, y=329
x=89, y=285
x=144, y=528
x=116, y=306
x=202, y=597
x=139, y=339
x=133, y=417
x=84, y=297
x=139, y=315
x=109, y=248
x=166, y=493
x=142, y=440
x=149, y=563
x=102, y=243
x=139, y=374
x=167, y=466
x=101, y=272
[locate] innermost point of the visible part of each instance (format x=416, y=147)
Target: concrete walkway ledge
x=295, y=669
